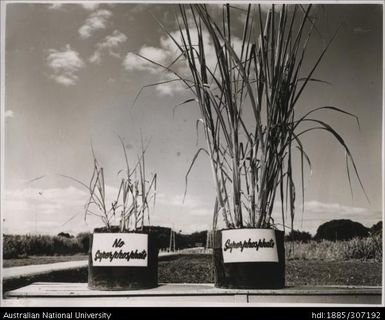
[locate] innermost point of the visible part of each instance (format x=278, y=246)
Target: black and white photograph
x=191, y=154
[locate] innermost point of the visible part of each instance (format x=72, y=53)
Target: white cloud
x=170, y=85
x=166, y=54
x=97, y=20
x=319, y=207
x=41, y=210
x=179, y=200
x=55, y=6
x=140, y=7
x=89, y=5
x=9, y=114
x=134, y=62
x=65, y=79
x=361, y=30
x=163, y=55
x=33, y=209
x=30, y=210
x=108, y=45
x=64, y=65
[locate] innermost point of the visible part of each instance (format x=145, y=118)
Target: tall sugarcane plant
x=247, y=101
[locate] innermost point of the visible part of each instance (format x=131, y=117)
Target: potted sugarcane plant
x=247, y=96
x=123, y=254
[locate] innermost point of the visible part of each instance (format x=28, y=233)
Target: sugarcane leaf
x=190, y=167
x=334, y=109
x=155, y=85
x=182, y=103
x=328, y=128
x=315, y=80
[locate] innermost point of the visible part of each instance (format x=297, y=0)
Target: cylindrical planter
x=249, y=258
x=122, y=261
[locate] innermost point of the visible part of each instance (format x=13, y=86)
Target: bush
x=11, y=247
x=192, y=240
x=367, y=248
x=376, y=229
x=16, y=246
x=83, y=239
x=357, y=248
x=296, y=235
x=341, y=230
x=65, y=235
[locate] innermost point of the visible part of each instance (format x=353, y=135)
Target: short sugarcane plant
x=123, y=253
x=135, y=195
x=247, y=101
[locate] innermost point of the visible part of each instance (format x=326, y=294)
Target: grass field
x=199, y=268
x=363, y=249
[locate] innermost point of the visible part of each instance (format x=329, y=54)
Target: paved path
x=30, y=270
x=15, y=272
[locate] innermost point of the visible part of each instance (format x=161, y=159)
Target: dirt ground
x=199, y=268
x=318, y=272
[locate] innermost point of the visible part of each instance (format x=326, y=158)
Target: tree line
x=15, y=246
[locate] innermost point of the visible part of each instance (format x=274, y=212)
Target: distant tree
x=198, y=238
x=296, y=235
x=83, y=239
x=162, y=236
x=342, y=229
x=376, y=228
x=190, y=240
x=65, y=235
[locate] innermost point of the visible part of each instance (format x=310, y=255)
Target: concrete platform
x=56, y=294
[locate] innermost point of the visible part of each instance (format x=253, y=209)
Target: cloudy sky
x=71, y=77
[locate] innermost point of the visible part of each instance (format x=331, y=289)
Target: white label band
x=249, y=245
x=120, y=250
